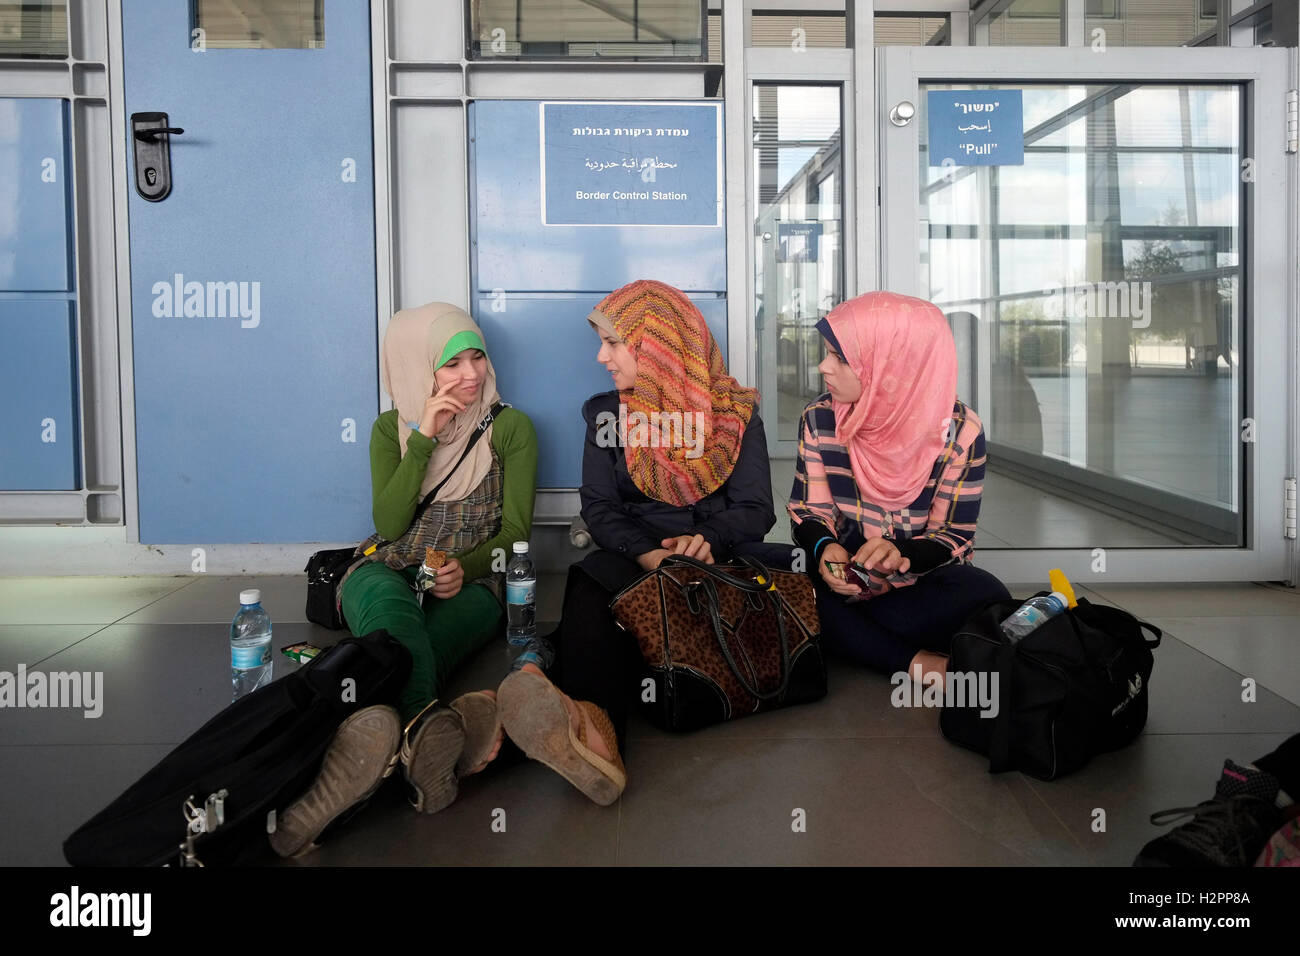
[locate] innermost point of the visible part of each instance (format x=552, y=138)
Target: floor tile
x=860, y=806
x=31, y=643
x=50, y=791
x=1264, y=648
x=1202, y=599
x=214, y=599
x=1154, y=773
x=160, y=683
x=1191, y=693
x=80, y=600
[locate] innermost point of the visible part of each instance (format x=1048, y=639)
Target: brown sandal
x=535, y=717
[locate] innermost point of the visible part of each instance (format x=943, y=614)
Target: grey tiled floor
x=876, y=784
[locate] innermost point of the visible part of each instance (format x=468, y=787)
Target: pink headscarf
x=903, y=353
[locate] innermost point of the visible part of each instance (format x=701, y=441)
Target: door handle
x=153, y=134
x=153, y=154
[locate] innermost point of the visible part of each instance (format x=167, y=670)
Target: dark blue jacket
x=623, y=520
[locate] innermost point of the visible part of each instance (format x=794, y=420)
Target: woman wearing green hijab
x=434, y=364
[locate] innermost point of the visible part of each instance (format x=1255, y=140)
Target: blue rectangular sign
x=976, y=127
x=631, y=164
x=798, y=241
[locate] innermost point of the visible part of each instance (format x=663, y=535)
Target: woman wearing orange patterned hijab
x=679, y=371
x=675, y=462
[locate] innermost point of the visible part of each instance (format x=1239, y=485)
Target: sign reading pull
x=151, y=137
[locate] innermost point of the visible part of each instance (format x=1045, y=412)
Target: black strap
x=715, y=617
x=479, y=432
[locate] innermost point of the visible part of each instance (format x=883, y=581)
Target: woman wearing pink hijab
x=887, y=487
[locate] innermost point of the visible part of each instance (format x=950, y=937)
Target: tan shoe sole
x=534, y=715
x=430, y=760
x=361, y=755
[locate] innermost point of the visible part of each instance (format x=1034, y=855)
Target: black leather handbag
x=722, y=641
x=1074, y=687
x=325, y=569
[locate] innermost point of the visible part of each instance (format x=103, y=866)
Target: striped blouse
x=825, y=504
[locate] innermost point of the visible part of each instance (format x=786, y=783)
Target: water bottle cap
x=250, y=596
x=521, y=547
x=1065, y=601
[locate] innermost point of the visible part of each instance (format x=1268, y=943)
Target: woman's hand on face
x=691, y=545
x=882, y=555
x=451, y=576
x=835, y=553
x=438, y=410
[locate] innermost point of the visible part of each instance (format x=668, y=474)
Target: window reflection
x=1097, y=286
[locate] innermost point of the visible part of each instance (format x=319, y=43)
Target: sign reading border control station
x=631, y=164
x=975, y=127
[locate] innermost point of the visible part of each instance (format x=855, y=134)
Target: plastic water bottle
x=250, y=645
x=521, y=596
x=1032, y=614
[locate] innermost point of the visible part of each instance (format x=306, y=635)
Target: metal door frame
x=820, y=67
x=1266, y=74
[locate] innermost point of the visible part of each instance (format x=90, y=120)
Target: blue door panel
x=544, y=353
x=38, y=398
x=514, y=251
x=34, y=235
x=253, y=294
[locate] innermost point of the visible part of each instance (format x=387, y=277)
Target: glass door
x=798, y=243
x=1100, y=235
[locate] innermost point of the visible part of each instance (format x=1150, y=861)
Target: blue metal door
x=253, y=283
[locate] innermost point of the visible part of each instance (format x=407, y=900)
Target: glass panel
x=620, y=29
x=810, y=29
x=798, y=239
x=1095, y=295
x=33, y=30
x=908, y=31
x=1149, y=22
x=261, y=24
x=1027, y=23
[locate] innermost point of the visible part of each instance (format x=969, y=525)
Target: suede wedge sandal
x=442, y=745
x=361, y=756
x=535, y=717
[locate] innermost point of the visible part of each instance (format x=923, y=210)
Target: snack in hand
x=434, y=559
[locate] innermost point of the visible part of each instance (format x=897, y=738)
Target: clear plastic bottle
x=521, y=596
x=1032, y=614
x=250, y=645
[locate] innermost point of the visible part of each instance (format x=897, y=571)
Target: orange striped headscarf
x=679, y=370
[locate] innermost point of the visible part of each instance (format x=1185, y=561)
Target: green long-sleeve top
x=395, y=480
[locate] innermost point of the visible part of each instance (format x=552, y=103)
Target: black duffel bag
x=1073, y=687
x=263, y=751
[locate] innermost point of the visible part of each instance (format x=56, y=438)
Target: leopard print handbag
x=721, y=642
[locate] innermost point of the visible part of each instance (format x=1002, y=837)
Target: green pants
x=439, y=636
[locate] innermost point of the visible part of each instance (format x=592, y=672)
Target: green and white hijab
x=417, y=343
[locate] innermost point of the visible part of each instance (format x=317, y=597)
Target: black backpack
x=256, y=756
x=1075, y=686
